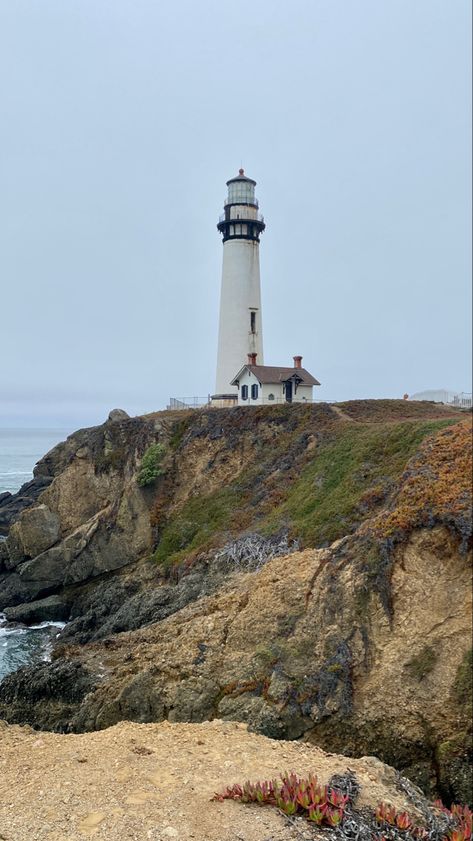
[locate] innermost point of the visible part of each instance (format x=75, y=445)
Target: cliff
x=303, y=569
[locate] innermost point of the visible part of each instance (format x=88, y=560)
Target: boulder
x=46, y=695
x=12, y=590
x=118, y=415
x=51, y=609
x=11, y=505
x=36, y=530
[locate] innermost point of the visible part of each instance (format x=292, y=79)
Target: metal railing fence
x=206, y=402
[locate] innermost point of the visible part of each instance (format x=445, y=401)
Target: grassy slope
x=350, y=473
x=349, y=478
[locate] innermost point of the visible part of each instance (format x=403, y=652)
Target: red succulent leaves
x=461, y=814
x=325, y=806
x=293, y=795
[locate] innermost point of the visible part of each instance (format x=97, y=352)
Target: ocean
x=20, y=449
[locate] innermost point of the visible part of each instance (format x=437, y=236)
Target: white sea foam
x=22, y=644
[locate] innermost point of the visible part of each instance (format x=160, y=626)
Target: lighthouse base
x=224, y=401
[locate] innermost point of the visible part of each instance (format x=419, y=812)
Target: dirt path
x=341, y=414
x=153, y=782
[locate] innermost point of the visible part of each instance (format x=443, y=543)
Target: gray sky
x=121, y=120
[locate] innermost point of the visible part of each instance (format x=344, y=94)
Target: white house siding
x=248, y=379
x=240, y=294
x=304, y=392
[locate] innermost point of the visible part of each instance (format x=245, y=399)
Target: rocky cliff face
x=303, y=569
x=92, y=517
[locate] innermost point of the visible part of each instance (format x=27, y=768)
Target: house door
x=288, y=392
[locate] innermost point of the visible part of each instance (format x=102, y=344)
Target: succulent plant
x=327, y=806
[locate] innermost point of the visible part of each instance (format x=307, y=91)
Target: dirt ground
x=153, y=782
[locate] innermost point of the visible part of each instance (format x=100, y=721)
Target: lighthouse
x=240, y=325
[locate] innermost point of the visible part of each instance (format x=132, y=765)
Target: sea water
x=21, y=646
x=20, y=449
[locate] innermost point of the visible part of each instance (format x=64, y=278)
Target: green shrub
x=151, y=465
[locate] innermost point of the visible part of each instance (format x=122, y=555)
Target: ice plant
x=337, y=799
x=293, y=795
x=325, y=806
x=316, y=814
x=463, y=818
x=386, y=814
x=334, y=817
x=403, y=820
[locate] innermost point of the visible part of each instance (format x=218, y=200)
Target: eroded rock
x=51, y=609
x=36, y=530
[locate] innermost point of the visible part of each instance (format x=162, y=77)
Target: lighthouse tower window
x=253, y=322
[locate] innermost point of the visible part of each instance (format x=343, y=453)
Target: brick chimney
x=297, y=361
x=252, y=358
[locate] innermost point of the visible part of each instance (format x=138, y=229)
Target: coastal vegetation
x=334, y=805
x=280, y=566
x=319, y=489
x=151, y=465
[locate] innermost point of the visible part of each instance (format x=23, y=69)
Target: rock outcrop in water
x=11, y=505
x=92, y=518
x=304, y=569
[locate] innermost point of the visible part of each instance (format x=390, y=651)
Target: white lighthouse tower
x=240, y=327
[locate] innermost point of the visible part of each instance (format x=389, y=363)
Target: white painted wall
x=304, y=392
x=240, y=294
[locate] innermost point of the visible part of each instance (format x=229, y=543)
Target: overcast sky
x=121, y=121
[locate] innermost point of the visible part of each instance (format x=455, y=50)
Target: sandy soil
x=153, y=782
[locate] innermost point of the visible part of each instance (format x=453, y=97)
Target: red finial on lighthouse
x=241, y=171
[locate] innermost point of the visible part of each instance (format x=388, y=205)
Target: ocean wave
x=7, y=627
x=22, y=645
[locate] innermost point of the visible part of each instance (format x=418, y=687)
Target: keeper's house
x=261, y=384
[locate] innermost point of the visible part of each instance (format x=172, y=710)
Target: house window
x=253, y=322
x=244, y=392
x=270, y=396
x=254, y=392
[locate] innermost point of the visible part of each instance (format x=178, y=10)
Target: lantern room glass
x=241, y=192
